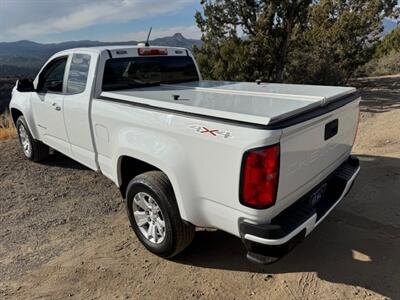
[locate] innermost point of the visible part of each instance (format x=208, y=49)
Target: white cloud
x=81, y=14
x=191, y=32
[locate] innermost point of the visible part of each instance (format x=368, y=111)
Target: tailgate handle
x=331, y=129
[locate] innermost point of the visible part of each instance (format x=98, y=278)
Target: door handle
x=56, y=107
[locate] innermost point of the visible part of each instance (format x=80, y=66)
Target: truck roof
x=99, y=49
x=249, y=102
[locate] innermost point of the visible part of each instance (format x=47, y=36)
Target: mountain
x=389, y=25
x=24, y=58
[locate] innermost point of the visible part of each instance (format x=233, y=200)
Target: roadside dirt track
x=64, y=233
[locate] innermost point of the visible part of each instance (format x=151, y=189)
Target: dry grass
x=7, y=129
x=385, y=65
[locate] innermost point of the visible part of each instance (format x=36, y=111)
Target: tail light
x=152, y=51
x=260, y=176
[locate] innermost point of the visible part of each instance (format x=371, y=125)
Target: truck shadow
x=379, y=94
x=60, y=160
x=358, y=244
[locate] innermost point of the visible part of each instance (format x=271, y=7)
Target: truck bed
x=261, y=104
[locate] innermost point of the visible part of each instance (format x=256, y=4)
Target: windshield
x=136, y=72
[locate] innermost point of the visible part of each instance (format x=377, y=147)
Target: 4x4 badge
x=211, y=132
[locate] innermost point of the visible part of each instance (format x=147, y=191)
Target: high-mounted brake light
x=260, y=176
x=152, y=51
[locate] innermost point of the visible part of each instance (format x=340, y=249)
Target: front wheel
x=154, y=215
x=33, y=150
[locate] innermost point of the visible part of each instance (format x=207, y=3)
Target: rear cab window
x=78, y=73
x=137, y=72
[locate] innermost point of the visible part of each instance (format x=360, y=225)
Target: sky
x=48, y=21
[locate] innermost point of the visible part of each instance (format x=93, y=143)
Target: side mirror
x=25, y=86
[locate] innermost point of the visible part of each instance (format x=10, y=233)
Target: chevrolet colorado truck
x=265, y=162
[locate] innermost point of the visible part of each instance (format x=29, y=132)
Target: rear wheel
x=154, y=215
x=33, y=150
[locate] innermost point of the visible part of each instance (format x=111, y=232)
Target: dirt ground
x=64, y=233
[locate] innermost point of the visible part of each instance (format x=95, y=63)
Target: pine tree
x=291, y=40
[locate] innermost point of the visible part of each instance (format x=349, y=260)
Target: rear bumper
x=267, y=242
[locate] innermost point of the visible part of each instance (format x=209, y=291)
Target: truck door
x=80, y=77
x=47, y=104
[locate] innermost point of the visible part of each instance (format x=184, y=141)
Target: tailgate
x=311, y=150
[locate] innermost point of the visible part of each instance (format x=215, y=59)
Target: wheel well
x=15, y=113
x=131, y=167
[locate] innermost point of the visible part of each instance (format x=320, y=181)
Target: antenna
x=148, y=37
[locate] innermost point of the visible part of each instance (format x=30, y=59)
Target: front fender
x=22, y=102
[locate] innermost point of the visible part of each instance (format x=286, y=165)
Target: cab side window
x=51, y=79
x=78, y=74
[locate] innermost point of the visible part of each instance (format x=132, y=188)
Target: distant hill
x=389, y=25
x=24, y=58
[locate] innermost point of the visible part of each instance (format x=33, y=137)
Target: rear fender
x=160, y=151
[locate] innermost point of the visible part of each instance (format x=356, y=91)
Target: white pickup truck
x=265, y=162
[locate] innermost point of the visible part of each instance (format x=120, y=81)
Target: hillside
x=386, y=58
x=6, y=85
x=391, y=43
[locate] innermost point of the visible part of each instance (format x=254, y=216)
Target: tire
x=33, y=150
x=155, y=189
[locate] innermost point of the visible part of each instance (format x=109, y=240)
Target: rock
x=268, y=277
